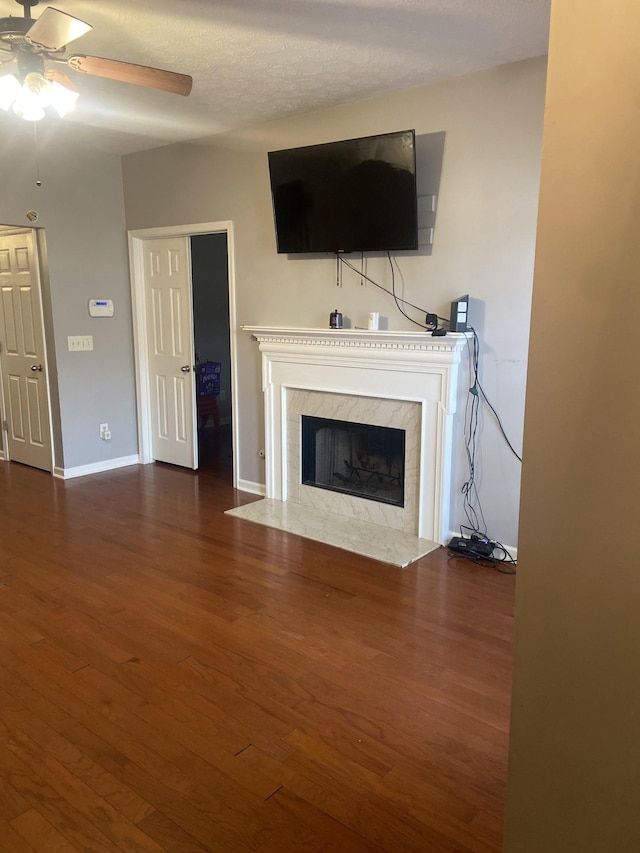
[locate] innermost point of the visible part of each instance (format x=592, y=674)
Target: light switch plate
x=80, y=342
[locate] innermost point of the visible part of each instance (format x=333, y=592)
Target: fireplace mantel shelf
x=421, y=341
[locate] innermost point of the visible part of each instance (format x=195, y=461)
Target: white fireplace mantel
x=354, y=367
x=442, y=348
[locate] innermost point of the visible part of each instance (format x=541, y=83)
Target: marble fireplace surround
x=399, y=414
x=407, y=380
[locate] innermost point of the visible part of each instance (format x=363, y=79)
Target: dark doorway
x=210, y=282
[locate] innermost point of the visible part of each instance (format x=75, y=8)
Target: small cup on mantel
x=374, y=321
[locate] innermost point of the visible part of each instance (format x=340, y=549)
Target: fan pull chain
x=35, y=146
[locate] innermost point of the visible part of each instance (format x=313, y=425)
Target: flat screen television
x=357, y=195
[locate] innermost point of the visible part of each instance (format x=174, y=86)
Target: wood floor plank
x=178, y=679
x=21, y=772
x=44, y=705
x=183, y=812
x=317, y=826
x=407, y=739
x=366, y=814
x=13, y=842
x=170, y=835
x=108, y=725
x=12, y=803
x=195, y=743
x=39, y=833
x=445, y=811
x=74, y=758
x=266, y=719
x=119, y=832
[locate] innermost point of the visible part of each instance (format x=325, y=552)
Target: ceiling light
x=62, y=99
x=30, y=100
x=9, y=90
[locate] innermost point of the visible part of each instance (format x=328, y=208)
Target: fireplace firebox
x=363, y=460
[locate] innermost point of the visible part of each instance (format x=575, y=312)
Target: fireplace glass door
x=355, y=459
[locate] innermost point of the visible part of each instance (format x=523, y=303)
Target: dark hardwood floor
x=176, y=679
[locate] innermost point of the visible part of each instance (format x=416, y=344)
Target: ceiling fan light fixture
x=32, y=98
x=61, y=98
x=34, y=43
x=9, y=90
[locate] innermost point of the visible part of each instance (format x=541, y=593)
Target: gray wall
x=80, y=208
x=484, y=242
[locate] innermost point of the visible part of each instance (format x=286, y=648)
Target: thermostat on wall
x=101, y=307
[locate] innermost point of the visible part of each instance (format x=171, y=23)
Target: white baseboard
x=252, y=488
x=95, y=467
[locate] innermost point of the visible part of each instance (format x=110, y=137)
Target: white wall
x=484, y=241
x=80, y=207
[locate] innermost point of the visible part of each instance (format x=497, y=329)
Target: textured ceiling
x=253, y=60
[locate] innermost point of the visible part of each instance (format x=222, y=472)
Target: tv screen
x=357, y=195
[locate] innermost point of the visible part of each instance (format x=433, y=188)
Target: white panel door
x=169, y=316
x=22, y=355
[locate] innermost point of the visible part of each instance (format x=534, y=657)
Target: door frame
x=39, y=271
x=137, y=239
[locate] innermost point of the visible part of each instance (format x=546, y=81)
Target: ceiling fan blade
x=54, y=29
x=126, y=72
x=60, y=78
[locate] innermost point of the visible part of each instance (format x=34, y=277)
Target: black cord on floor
x=487, y=562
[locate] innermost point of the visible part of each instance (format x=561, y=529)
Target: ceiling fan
x=35, y=44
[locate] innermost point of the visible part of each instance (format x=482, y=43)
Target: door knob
x=35, y=367
x=185, y=368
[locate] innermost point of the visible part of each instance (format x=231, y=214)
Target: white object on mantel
x=407, y=380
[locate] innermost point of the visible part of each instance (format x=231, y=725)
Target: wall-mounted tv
x=357, y=195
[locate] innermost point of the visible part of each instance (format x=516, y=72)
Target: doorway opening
x=212, y=339
x=141, y=243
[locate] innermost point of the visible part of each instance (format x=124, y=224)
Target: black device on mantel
x=356, y=195
x=459, y=314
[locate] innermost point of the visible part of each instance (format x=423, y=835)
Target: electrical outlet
x=223, y=395
x=105, y=432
